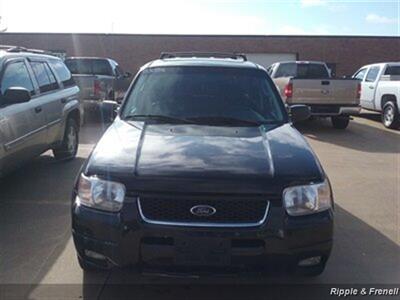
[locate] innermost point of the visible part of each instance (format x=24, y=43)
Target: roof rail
x=165, y=55
x=6, y=47
x=10, y=48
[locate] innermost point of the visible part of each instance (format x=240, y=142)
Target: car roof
x=6, y=54
x=302, y=62
x=87, y=57
x=393, y=63
x=202, y=62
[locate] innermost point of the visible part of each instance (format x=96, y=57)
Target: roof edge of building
x=203, y=35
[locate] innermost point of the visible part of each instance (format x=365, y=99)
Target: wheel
x=340, y=122
x=390, y=116
x=69, y=145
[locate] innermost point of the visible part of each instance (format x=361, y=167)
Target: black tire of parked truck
x=69, y=146
x=390, y=115
x=340, y=122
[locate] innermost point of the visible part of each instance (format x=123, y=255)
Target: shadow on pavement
x=35, y=218
x=371, y=116
x=361, y=255
x=35, y=222
x=358, y=136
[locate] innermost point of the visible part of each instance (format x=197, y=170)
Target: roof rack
x=10, y=48
x=165, y=55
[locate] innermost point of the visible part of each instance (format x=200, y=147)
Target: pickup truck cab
x=39, y=107
x=202, y=170
x=102, y=82
x=380, y=91
x=310, y=83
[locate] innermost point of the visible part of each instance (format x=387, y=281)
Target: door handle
x=371, y=87
x=38, y=109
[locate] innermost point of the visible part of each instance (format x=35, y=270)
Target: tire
x=390, y=116
x=69, y=145
x=340, y=122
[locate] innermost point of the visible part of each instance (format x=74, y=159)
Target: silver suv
x=39, y=107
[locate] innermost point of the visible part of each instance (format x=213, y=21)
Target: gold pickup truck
x=310, y=83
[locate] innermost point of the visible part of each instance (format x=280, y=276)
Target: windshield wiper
x=225, y=121
x=161, y=118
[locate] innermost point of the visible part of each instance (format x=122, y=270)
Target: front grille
x=231, y=212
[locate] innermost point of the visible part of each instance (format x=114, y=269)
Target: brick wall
x=132, y=51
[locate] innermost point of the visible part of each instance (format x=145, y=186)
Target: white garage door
x=267, y=59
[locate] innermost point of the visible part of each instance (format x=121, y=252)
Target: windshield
x=89, y=66
x=205, y=93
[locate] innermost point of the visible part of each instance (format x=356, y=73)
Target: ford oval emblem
x=203, y=210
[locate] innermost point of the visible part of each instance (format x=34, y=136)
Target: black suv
x=203, y=170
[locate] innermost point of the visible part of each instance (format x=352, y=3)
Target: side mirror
x=299, y=113
x=109, y=109
x=14, y=95
x=127, y=75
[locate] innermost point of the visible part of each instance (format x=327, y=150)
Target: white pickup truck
x=310, y=83
x=380, y=91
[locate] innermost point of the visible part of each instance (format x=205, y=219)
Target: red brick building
x=344, y=54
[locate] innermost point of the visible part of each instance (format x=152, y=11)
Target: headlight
x=100, y=194
x=307, y=199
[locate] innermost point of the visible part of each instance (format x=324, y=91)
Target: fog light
x=311, y=261
x=94, y=255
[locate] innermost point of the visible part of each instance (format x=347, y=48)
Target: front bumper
x=124, y=239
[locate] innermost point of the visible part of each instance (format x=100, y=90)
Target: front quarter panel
x=72, y=104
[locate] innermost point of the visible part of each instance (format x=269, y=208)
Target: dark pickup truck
x=202, y=170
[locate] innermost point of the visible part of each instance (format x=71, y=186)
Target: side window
x=62, y=72
x=49, y=72
x=360, y=74
x=119, y=71
x=372, y=74
x=332, y=67
x=45, y=78
x=392, y=70
x=269, y=70
x=16, y=75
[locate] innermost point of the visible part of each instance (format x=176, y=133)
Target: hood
x=206, y=157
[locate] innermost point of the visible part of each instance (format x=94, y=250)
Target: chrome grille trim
x=204, y=224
